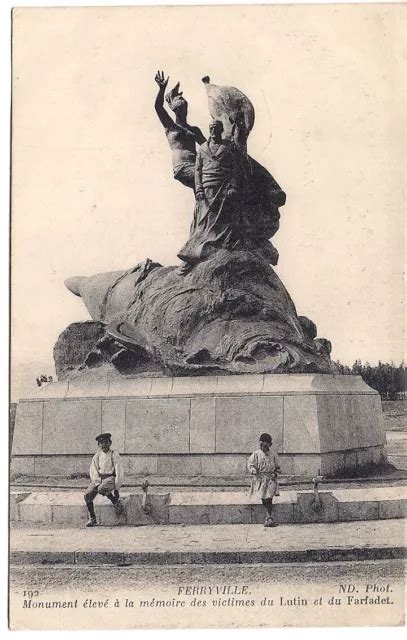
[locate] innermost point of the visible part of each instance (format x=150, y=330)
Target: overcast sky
x=92, y=179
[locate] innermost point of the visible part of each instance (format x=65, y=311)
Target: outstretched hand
x=160, y=80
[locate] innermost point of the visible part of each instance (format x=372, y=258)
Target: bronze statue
x=232, y=107
x=218, y=178
x=225, y=310
x=181, y=136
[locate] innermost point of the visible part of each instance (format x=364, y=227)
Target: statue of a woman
x=181, y=136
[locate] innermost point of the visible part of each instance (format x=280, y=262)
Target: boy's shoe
x=91, y=522
x=269, y=522
x=118, y=507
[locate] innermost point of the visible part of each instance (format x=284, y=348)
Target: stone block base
x=213, y=507
x=69, y=508
x=216, y=466
x=172, y=427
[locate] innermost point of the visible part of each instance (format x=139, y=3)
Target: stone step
x=211, y=507
x=68, y=507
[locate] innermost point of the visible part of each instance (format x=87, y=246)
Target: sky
x=92, y=185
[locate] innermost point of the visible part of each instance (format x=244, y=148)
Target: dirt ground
x=395, y=415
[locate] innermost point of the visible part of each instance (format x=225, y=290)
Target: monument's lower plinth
x=202, y=426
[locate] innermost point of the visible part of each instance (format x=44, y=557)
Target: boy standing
x=106, y=477
x=264, y=465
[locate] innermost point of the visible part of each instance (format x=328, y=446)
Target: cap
x=103, y=436
x=266, y=437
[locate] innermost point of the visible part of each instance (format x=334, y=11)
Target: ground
x=395, y=415
x=395, y=424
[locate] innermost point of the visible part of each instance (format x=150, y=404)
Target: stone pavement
x=212, y=544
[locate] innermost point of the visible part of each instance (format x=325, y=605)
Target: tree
x=388, y=379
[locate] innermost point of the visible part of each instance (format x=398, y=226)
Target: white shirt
x=106, y=464
x=264, y=462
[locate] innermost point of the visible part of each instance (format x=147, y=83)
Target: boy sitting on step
x=264, y=465
x=106, y=477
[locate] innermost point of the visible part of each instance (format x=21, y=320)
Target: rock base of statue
x=184, y=427
x=229, y=314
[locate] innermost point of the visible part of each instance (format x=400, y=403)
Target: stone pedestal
x=202, y=426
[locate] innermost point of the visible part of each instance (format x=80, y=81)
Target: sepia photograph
x=208, y=414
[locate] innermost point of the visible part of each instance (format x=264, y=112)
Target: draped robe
x=217, y=216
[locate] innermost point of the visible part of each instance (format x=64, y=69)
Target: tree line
x=388, y=379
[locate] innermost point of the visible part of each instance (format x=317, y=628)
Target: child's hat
x=103, y=436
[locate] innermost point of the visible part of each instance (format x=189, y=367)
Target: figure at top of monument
x=218, y=182
x=231, y=313
x=233, y=108
x=261, y=196
x=181, y=136
x=226, y=167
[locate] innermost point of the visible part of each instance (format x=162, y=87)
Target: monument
x=186, y=365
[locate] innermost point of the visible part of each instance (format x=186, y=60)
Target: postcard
x=208, y=418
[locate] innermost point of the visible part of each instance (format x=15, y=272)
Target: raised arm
x=165, y=119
